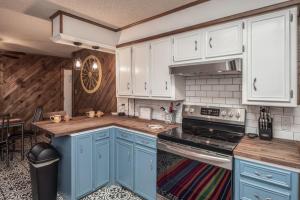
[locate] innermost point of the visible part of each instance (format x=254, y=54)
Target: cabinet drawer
x=263, y=173
x=125, y=135
x=254, y=192
x=145, y=141
x=101, y=135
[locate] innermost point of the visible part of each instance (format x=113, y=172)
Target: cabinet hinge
x=172, y=40
x=291, y=93
x=291, y=17
x=243, y=48
x=243, y=25
x=150, y=46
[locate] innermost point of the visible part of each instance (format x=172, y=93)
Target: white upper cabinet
x=224, y=40
x=270, y=75
x=124, y=71
x=187, y=47
x=141, y=69
x=160, y=61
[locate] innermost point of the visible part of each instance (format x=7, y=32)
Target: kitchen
x=193, y=99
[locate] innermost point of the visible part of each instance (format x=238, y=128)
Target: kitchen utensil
x=90, y=114
x=67, y=118
x=265, y=124
x=99, y=113
x=55, y=118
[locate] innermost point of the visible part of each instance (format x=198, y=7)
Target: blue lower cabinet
x=124, y=163
x=83, y=168
x=101, y=162
x=145, y=172
x=255, y=181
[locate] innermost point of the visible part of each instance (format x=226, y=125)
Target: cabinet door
x=124, y=71
x=84, y=183
x=145, y=172
x=187, y=47
x=160, y=62
x=224, y=40
x=101, y=162
x=124, y=163
x=141, y=66
x=268, y=61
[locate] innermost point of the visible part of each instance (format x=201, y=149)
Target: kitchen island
x=109, y=150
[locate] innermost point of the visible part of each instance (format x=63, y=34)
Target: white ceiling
x=25, y=24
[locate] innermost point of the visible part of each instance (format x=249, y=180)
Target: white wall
x=207, y=11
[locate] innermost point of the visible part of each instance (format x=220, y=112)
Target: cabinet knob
x=128, y=84
x=166, y=85
x=254, y=84
x=256, y=196
x=209, y=42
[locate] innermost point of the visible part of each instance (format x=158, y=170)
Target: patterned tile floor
x=15, y=184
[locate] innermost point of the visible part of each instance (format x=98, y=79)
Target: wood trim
x=61, y=23
x=216, y=21
x=164, y=14
x=61, y=13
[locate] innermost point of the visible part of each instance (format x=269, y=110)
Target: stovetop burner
x=209, y=128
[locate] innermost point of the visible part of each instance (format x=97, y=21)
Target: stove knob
x=230, y=114
x=223, y=113
x=192, y=110
x=238, y=115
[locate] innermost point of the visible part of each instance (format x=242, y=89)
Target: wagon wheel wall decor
x=91, y=74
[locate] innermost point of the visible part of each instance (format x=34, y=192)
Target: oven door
x=187, y=173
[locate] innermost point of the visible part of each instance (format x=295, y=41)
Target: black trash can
x=43, y=161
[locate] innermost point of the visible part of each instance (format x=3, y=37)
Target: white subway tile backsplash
x=225, y=91
x=232, y=88
x=226, y=81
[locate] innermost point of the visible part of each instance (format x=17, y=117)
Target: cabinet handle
x=145, y=85
x=269, y=198
x=166, y=85
x=256, y=196
x=151, y=165
x=81, y=149
x=257, y=173
x=100, y=156
x=196, y=45
x=210, y=45
x=128, y=86
x=269, y=176
x=254, y=84
x=128, y=156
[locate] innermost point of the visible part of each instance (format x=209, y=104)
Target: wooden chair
x=46, y=116
x=32, y=132
x=4, y=137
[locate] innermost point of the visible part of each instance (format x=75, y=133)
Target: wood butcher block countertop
x=79, y=124
x=281, y=152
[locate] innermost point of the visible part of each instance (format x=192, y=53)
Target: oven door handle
x=218, y=160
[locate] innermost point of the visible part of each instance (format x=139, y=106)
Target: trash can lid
x=42, y=152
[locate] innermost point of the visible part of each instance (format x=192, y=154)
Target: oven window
x=186, y=179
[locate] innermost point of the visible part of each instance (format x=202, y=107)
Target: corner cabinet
x=143, y=72
x=270, y=72
x=255, y=181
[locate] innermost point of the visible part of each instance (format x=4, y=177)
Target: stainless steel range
x=195, y=160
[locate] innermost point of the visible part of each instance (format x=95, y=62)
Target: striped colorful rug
x=192, y=180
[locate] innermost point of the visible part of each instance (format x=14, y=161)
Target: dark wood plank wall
x=104, y=98
x=31, y=81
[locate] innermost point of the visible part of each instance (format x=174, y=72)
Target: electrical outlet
x=286, y=123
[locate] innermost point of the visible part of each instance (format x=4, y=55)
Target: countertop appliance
x=195, y=160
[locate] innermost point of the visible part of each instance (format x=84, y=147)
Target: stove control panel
x=221, y=114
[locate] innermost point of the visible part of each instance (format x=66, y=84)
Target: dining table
x=17, y=123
